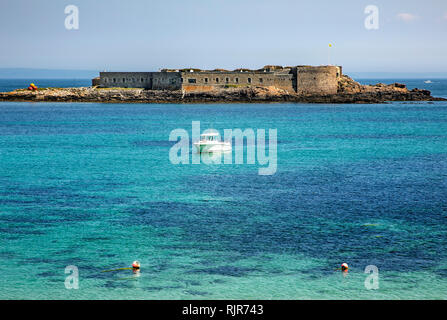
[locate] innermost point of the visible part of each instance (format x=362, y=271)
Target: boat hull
x=215, y=147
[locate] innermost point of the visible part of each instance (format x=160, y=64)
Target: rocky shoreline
x=349, y=91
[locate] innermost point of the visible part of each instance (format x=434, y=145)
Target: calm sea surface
x=91, y=185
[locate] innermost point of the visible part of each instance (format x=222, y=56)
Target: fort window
x=142, y=80
x=227, y=80
x=217, y=80
x=236, y=80
x=260, y=80
x=206, y=80
x=114, y=79
x=191, y=80
x=249, y=80
x=181, y=80
x=124, y=79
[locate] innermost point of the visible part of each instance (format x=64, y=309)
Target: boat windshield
x=207, y=137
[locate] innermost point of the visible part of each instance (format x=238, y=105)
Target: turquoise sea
x=91, y=185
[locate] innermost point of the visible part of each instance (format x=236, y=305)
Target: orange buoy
x=344, y=267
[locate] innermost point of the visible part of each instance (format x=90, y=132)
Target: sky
x=147, y=35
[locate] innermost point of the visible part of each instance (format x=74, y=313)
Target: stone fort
x=299, y=79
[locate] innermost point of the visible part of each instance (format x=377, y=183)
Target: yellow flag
x=330, y=45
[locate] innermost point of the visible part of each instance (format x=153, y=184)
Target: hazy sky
x=147, y=35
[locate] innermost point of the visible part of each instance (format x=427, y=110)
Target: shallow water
x=91, y=185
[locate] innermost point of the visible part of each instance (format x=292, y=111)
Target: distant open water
x=91, y=185
x=12, y=84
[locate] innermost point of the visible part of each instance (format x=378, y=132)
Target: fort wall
x=126, y=79
x=206, y=81
x=317, y=80
x=166, y=81
x=304, y=80
x=146, y=80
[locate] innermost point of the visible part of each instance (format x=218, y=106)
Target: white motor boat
x=210, y=142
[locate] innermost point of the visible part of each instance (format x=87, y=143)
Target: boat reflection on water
x=215, y=157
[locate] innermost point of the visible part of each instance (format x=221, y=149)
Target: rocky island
x=301, y=84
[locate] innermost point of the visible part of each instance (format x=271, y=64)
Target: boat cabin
x=214, y=136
